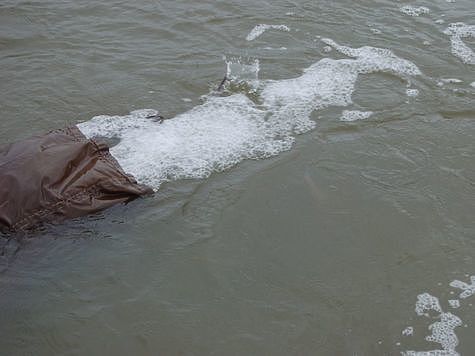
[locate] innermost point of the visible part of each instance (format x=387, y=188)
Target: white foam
x=261, y=28
x=468, y=289
x=472, y=84
x=414, y=10
x=225, y=130
x=426, y=302
x=412, y=92
x=354, y=115
x=442, y=331
x=451, y=80
x=458, y=31
x=454, y=303
x=408, y=331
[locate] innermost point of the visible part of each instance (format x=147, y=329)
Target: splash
x=242, y=69
x=260, y=29
x=225, y=130
x=457, y=32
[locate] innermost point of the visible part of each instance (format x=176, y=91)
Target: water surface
x=321, y=247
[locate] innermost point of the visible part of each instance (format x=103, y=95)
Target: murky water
x=322, y=204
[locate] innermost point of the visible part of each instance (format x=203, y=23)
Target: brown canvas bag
x=60, y=175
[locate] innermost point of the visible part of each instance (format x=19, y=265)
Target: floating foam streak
x=458, y=31
x=225, y=130
x=414, y=10
x=468, y=289
x=355, y=115
x=260, y=29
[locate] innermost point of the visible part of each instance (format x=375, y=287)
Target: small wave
x=261, y=28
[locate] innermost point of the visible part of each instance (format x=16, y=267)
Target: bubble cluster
x=354, y=115
x=225, y=130
x=261, y=28
x=414, y=10
x=457, y=31
x=468, y=289
x=408, y=331
x=426, y=302
x=454, y=303
x=442, y=331
x=412, y=92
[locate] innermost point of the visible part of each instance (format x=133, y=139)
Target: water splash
x=414, y=10
x=225, y=130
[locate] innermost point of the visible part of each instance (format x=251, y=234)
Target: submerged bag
x=60, y=175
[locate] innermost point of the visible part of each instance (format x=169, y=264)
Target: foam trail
x=458, y=31
x=261, y=28
x=225, y=130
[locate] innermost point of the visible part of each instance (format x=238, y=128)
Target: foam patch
x=442, y=331
x=414, y=10
x=225, y=130
x=458, y=31
x=354, y=115
x=412, y=92
x=467, y=289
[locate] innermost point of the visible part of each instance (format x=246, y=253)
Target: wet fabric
x=60, y=175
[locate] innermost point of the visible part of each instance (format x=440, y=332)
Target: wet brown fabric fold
x=60, y=175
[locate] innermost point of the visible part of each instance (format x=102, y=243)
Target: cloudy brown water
x=321, y=249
